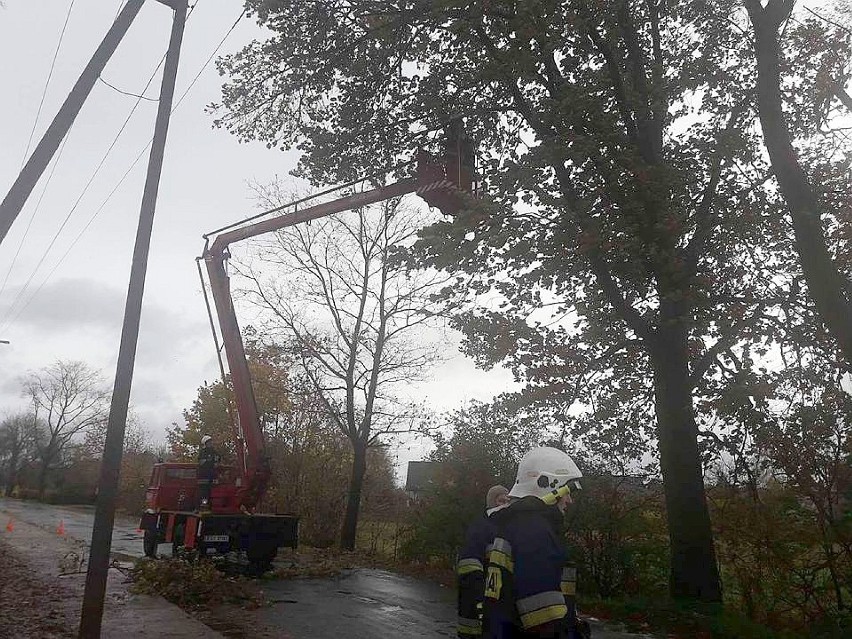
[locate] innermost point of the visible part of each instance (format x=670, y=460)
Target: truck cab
x=174, y=486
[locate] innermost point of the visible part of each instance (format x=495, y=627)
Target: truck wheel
x=260, y=561
x=259, y=566
x=149, y=543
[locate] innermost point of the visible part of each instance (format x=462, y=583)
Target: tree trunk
x=826, y=285
x=12, y=474
x=353, y=502
x=42, y=479
x=694, y=573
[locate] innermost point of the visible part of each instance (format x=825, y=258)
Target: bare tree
x=355, y=319
x=69, y=398
x=18, y=439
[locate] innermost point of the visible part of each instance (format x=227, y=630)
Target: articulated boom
x=252, y=463
x=174, y=512
x=445, y=184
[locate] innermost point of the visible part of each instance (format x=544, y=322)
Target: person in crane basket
x=470, y=568
x=207, y=460
x=529, y=583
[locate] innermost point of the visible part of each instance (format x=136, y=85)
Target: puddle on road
x=389, y=609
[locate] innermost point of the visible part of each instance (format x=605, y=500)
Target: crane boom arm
x=446, y=185
x=253, y=462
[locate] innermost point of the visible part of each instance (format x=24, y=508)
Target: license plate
x=216, y=538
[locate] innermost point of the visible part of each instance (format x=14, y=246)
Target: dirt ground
x=29, y=607
x=42, y=577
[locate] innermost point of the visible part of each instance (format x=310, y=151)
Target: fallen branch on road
x=193, y=585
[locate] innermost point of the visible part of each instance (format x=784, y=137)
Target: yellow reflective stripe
x=501, y=554
x=541, y=608
x=501, y=559
x=466, y=566
x=471, y=627
x=543, y=615
x=539, y=600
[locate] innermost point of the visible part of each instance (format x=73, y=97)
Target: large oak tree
x=626, y=232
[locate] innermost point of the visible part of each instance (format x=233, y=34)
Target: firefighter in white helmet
x=529, y=585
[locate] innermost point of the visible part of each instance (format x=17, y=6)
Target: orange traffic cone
x=10, y=527
x=60, y=530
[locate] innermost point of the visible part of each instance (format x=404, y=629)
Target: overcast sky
x=75, y=313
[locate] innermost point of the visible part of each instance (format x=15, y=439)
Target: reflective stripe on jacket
x=529, y=591
x=470, y=571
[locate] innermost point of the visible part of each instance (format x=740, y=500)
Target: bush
x=677, y=620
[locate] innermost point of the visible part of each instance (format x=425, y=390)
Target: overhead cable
x=122, y=92
x=33, y=216
x=115, y=188
x=47, y=82
x=29, y=145
x=85, y=189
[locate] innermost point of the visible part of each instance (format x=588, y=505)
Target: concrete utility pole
x=58, y=129
x=99, y=553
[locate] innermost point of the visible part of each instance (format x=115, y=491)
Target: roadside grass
x=675, y=620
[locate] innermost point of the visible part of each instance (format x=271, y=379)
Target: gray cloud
x=67, y=304
x=70, y=305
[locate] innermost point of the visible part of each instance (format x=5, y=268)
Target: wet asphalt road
x=371, y=604
x=358, y=604
x=78, y=520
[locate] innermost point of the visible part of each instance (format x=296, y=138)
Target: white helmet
x=205, y=439
x=546, y=473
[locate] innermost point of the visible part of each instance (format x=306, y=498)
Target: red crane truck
x=172, y=513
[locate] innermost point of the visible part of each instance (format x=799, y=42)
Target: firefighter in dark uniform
x=529, y=584
x=470, y=568
x=207, y=460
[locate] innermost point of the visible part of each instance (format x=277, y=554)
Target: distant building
x=420, y=479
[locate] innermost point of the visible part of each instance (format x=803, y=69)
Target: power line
x=77, y=239
x=139, y=156
x=122, y=92
x=828, y=20
x=33, y=216
x=209, y=58
x=9, y=318
x=29, y=145
x=82, y=194
x=47, y=82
